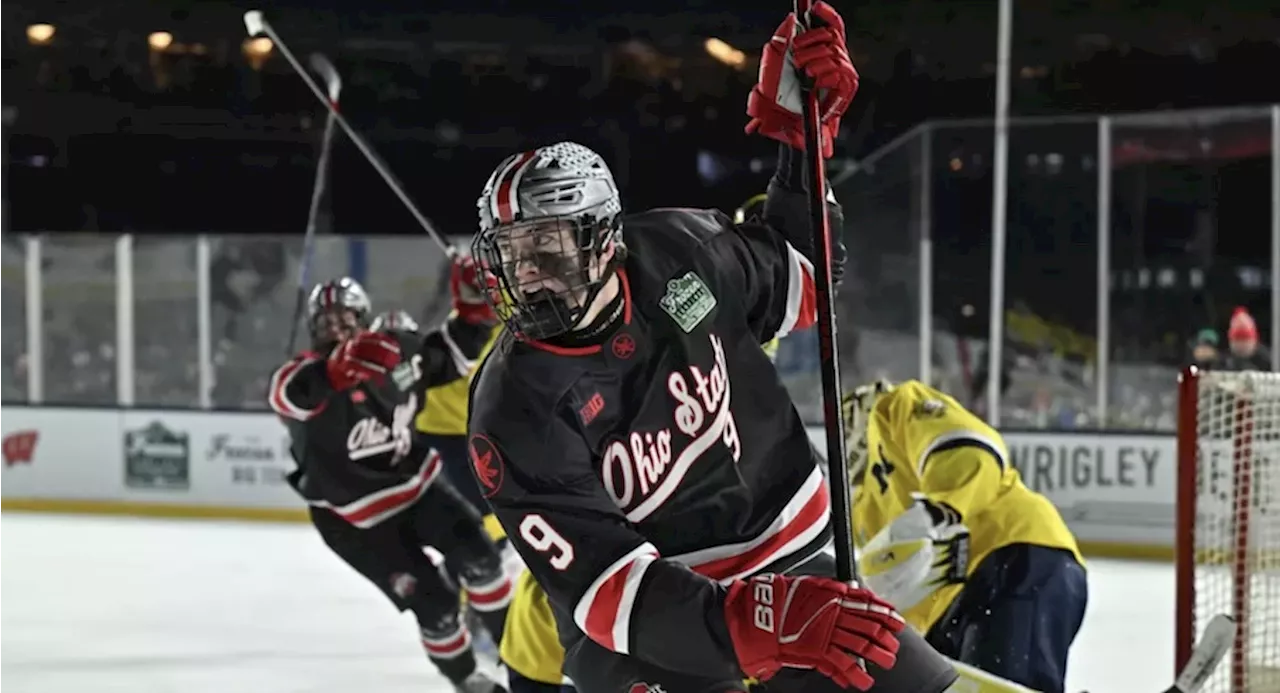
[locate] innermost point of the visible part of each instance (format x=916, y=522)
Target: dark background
x=103, y=134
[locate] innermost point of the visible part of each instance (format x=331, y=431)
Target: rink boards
x=1115, y=490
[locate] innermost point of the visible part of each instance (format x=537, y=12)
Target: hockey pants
x=594, y=669
x=1017, y=616
x=391, y=556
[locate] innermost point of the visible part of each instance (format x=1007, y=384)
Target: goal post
x=1228, y=522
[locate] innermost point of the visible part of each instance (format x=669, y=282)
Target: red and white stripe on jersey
x=504, y=204
x=804, y=518
x=490, y=596
x=278, y=392
x=604, y=611
x=802, y=302
x=448, y=646
x=378, y=506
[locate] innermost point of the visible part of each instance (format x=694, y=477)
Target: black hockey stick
x=828, y=349
x=257, y=25
x=333, y=86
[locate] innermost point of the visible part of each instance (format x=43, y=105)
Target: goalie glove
x=923, y=549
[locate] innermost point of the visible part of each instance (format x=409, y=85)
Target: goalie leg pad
x=1017, y=616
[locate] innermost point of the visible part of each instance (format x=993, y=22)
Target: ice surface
x=112, y=604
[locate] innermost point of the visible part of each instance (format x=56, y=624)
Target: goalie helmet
x=547, y=218
x=336, y=310
x=857, y=406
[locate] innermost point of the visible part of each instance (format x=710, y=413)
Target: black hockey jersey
x=357, y=451
x=639, y=477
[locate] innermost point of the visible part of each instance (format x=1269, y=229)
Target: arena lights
x=260, y=46
x=725, y=53
x=40, y=34
x=160, y=40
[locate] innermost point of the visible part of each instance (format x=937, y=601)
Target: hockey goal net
x=1228, y=522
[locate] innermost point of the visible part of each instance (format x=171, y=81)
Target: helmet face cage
x=547, y=271
x=339, y=305
x=465, y=282
x=545, y=218
x=469, y=288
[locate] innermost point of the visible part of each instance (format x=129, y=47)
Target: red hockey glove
x=469, y=283
x=774, y=105
x=366, y=356
x=777, y=621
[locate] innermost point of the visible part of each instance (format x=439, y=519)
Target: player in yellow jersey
x=947, y=532
x=468, y=333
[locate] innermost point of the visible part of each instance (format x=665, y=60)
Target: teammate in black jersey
x=374, y=487
x=637, y=444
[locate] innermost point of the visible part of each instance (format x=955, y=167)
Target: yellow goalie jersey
x=919, y=440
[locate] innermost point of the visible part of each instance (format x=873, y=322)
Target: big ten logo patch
x=644, y=468
x=486, y=461
x=20, y=447
x=589, y=411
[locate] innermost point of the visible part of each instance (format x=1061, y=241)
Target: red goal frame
x=1185, y=551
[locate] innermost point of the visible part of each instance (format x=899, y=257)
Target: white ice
x=143, y=606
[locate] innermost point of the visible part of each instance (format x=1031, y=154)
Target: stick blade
x=1213, y=645
x=326, y=70
x=254, y=23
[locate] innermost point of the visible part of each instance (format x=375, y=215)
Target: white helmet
x=857, y=406
x=558, y=208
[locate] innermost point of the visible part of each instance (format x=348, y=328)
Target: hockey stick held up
x=828, y=349
x=257, y=25
x=333, y=86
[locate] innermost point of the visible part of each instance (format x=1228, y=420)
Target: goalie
x=946, y=531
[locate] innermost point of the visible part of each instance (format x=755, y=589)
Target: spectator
x=1246, y=354
x=1204, y=350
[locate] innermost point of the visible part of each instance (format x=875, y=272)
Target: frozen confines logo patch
x=688, y=300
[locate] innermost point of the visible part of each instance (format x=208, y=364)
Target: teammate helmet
x=395, y=320
x=336, y=309
x=546, y=218
x=857, y=406
x=469, y=288
x=753, y=208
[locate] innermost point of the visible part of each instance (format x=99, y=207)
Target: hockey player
x=467, y=335
x=373, y=486
x=636, y=443
x=948, y=533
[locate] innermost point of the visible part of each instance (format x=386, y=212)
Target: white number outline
x=543, y=538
